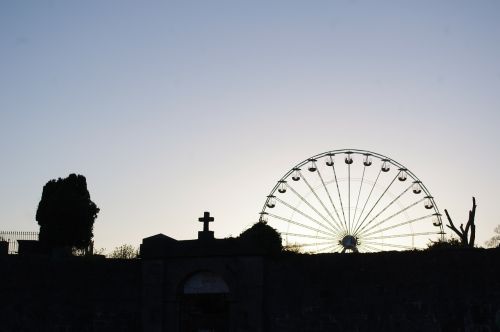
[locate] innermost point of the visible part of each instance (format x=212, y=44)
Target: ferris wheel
x=352, y=201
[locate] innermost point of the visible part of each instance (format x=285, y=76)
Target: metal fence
x=13, y=236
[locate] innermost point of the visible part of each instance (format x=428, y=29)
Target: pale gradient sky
x=171, y=108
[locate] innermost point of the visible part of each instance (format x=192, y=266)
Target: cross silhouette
x=205, y=220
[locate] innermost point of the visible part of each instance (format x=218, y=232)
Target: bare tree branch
x=451, y=225
x=453, y=228
x=462, y=233
x=471, y=223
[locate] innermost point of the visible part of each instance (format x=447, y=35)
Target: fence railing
x=12, y=236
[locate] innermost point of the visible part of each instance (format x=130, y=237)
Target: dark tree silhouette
x=125, y=251
x=463, y=233
x=265, y=235
x=451, y=243
x=66, y=214
x=491, y=243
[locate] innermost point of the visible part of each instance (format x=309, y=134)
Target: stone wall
x=71, y=294
x=412, y=291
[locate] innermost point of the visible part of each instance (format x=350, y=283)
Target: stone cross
x=206, y=219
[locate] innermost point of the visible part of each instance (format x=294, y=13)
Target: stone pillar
x=152, y=295
x=4, y=248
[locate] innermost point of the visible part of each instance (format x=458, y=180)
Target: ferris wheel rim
x=349, y=151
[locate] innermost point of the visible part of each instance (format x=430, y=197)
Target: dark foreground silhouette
x=235, y=285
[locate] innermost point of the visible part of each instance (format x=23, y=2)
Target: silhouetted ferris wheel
x=352, y=200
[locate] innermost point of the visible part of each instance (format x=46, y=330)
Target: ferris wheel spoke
x=340, y=197
x=389, y=205
x=363, y=246
x=368, y=198
x=349, y=198
x=398, y=225
x=310, y=206
x=320, y=201
x=338, y=249
x=366, y=249
x=327, y=248
x=316, y=244
x=372, y=249
x=331, y=201
x=359, y=194
x=307, y=236
x=302, y=225
x=399, y=235
x=331, y=249
x=392, y=216
x=392, y=245
x=376, y=203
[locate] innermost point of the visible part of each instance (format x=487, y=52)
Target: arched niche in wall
x=205, y=282
x=204, y=303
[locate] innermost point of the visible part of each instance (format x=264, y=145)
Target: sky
x=173, y=108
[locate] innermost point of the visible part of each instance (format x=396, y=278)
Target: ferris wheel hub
x=349, y=242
